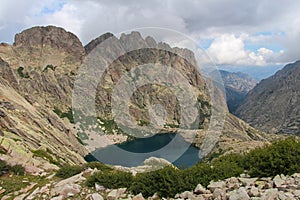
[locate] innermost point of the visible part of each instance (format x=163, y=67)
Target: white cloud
x=230, y=50
x=232, y=25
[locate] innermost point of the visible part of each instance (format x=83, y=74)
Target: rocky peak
x=51, y=36
x=92, y=44
x=273, y=105
x=134, y=39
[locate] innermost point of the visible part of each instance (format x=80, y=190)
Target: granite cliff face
x=148, y=52
x=37, y=76
x=273, y=105
x=29, y=128
x=44, y=61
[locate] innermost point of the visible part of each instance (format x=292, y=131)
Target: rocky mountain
x=38, y=73
x=273, y=105
x=36, y=77
x=237, y=85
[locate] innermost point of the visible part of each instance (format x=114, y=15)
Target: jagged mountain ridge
x=273, y=105
x=238, y=80
x=40, y=72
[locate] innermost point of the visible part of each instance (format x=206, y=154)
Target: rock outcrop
x=273, y=105
x=28, y=127
x=234, y=188
x=36, y=77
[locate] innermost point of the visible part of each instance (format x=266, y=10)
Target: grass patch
x=12, y=183
x=71, y=170
x=68, y=114
x=46, y=155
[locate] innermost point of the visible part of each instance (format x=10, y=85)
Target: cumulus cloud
x=232, y=26
x=230, y=50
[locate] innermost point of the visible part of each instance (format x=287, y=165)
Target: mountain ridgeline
x=274, y=104
x=38, y=73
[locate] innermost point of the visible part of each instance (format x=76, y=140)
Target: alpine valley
x=39, y=133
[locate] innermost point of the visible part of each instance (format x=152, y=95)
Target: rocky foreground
x=280, y=187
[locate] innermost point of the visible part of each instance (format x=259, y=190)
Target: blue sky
x=234, y=33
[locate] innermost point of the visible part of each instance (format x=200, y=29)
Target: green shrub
x=165, y=182
x=21, y=73
x=98, y=165
x=111, y=179
x=18, y=170
x=281, y=157
x=227, y=166
x=4, y=167
x=277, y=158
x=68, y=114
x=69, y=170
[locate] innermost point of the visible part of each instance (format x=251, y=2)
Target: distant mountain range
x=274, y=104
x=257, y=72
x=237, y=85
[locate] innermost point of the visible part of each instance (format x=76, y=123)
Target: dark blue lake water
x=170, y=146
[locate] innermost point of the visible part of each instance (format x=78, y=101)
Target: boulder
x=67, y=190
x=213, y=185
x=247, y=181
x=112, y=195
x=121, y=192
x=254, y=192
x=278, y=181
x=96, y=196
x=99, y=187
x=219, y=194
x=282, y=196
x=138, y=197
x=270, y=194
x=239, y=194
x=296, y=193
x=201, y=190
x=187, y=195
x=154, y=197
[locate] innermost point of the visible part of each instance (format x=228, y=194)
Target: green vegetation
x=68, y=171
x=71, y=170
x=171, y=125
x=12, y=183
x=143, y=123
x=16, y=169
x=111, y=179
x=47, y=155
x=281, y=157
x=50, y=67
x=22, y=74
x=67, y=114
x=4, y=167
x=110, y=125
